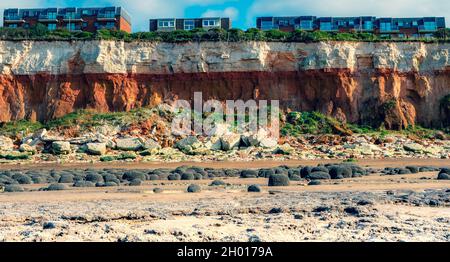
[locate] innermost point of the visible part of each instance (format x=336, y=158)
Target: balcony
x=47, y=18
x=13, y=19
x=393, y=29
x=425, y=29
x=106, y=17
x=72, y=18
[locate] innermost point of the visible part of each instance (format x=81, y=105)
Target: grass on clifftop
x=40, y=32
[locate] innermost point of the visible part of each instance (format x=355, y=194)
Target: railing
x=13, y=18
x=106, y=15
x=47, y=17
x=423, y=28
x=72, y=17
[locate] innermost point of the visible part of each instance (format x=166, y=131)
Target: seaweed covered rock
x=56, y=187
x=413, y=169
x=265, y=172
x=84, y=184
x=217, y=183
x=153, y=177
x=443, y=176
x=249, y=173
x=22, y=179
x=133, y=174
x=278, y=180
x=305, y=171
x=135, y=182
x=193, y=188
x=314, y=183
x=174, y=177
x=66, y=178
x=187, y=176
x=157, y=190
x=318, y=175
x=94, y=177
x=254, y=188
x=13, y=188
x=339, y=172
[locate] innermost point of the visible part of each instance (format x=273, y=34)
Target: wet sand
x=229, y=213
x=376, y=163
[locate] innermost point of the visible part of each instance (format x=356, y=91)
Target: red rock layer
x=365, y=97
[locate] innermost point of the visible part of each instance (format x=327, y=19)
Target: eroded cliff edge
x=395, y=84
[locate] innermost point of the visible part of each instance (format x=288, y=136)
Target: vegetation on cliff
x=292, y=124
x=40, y=32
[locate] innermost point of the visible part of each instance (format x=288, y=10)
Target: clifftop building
x=171, y=24
x=394, y=27
x=73, y=19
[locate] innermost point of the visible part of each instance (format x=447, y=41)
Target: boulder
x=230, y=141
x=189, y=144
x=96, y=148
x=268, y=142
x=129, y=144
x=27, y=148
x=61, y=147
x=414, y=147
x=284, y=149
x=150, y=144
x=6, y=143
x=214, y=144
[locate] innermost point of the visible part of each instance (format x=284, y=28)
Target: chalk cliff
x=395, y=84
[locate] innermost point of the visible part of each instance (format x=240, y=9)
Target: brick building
x=171, y=24
x=73, y=19
x=394, y=27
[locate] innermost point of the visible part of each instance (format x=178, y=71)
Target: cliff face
x=396, y=84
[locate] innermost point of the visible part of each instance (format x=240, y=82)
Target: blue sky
x=243, y=12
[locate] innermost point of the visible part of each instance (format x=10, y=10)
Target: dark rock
x=56, y=187
x=135, y=182
x=249, y=173
x=217, y=183
x=157, y=190
x=278, y=180
x=314, y=183
x=193, y=188
x=318, y=175
x=254, y=188
x=13, y=188
x=443, y=176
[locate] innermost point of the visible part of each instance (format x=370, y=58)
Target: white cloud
x=230, y=12
x=379, y=8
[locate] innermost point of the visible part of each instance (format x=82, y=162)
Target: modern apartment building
x=73, y=19
x=171, y=24
x=394, y=27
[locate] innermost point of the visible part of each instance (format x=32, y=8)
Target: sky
x=244, y=12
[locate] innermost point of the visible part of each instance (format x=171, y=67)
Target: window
x=86, y=12
x=368, y=25
x=71, y=26
x=400, y=23
x=283, y=22
x=325, y=26
x=385, y=26
x=51, y=15
x=415, y=23
x=266, y=25
x=110, y=14
x=51, y=27
x=12, y=26
x=341, y=23
x=85, y=24
x=110, y=25
x=307, y=25
x=189, y=24
x=166, y=23
x=210, y=22
x=70, y=15
x=430, y=26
